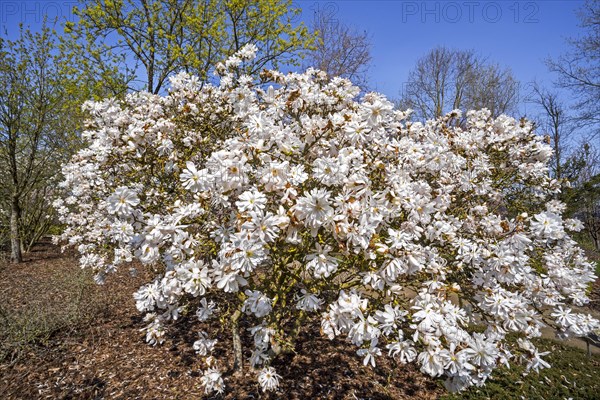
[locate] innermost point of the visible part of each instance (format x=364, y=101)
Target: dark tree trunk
x=15, y=240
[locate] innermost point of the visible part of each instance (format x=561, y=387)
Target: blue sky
x=516, y=34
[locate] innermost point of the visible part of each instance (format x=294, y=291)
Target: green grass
x=572, y=375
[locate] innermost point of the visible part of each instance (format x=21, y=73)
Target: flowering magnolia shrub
x=288, y=201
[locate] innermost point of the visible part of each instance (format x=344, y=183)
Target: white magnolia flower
x=212, y=381
x=370, y=353
x=547, y=225
x=204, y=346
x=322, y=264
x=314, y=209
x=206, y=309
x=268, y=379
x=574, y=225
x=308, y=301
x=192, y=179
x=251, y=201
x=122, y=202
x=403, y=350
x=257, y=303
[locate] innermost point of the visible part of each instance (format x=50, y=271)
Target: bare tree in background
x=492, y=87
x=579, y=69
x=446, y=79
x=438, y=82
x=341, y=50
x=555, y=123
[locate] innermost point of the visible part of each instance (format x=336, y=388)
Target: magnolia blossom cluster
x=289, y=200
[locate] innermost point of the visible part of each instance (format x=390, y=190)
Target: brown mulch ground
x=100, y=352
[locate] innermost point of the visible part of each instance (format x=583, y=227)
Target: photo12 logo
x=470, y=11
x=34, y=12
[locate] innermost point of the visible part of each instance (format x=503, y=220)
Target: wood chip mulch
x=105, y=356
